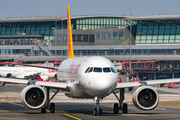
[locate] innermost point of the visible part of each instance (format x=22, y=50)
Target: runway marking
x=71, y=116
x=6, y=118
x=39, y=109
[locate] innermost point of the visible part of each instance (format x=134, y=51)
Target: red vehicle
x=136, y=79
x=171, y=84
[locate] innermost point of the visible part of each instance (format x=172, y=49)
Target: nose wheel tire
x=52, y=108
x=96, y=112
x=116, y=108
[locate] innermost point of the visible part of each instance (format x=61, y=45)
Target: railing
x=42, y=47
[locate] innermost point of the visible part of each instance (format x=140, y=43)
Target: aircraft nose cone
x=105, y=85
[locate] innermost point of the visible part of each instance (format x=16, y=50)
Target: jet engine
x=145, y=98
x=33, y=96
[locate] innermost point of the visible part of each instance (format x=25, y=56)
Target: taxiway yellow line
x=71, y=116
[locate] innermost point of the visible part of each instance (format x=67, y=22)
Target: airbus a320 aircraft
x=27, y=72
x=88, y=78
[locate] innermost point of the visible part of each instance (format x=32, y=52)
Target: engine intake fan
x=33, y=96
x=145, y=98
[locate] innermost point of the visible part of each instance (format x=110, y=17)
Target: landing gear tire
x=100, y=111
x=43, y=110
x=116, y=108
x=52, y=108
x=125, y=108
x=95, y=111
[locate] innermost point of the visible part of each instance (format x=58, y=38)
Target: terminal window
x=115, y=35
x=158, y=32
x=121, y=35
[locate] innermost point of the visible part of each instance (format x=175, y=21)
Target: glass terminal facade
x=91, y=23
x=107, y=35
x=45, y=28
x=158, y=31
x=28, y=28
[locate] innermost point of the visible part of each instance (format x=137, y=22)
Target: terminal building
x=155, y=40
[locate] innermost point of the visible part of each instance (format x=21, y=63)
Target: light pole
x=130, y=47
x=56, y=38
x=124, y=42
x=55, y=41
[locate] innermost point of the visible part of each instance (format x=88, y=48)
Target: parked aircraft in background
x=27, y=72
x=87, y=78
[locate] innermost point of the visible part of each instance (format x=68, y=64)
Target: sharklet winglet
x=69, y=33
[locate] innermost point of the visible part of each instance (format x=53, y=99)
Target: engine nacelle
x=145, y=98
x=33, y=96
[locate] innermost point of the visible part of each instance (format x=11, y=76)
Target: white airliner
x=87, y=77
x=27, y=72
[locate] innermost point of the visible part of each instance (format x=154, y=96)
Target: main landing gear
x=97, y=110
x=121, y=106
x=48, y=105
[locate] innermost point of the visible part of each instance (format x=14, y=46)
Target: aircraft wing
x=13, y=80
x=151, y=82
x=46, y=67
x=56, y=85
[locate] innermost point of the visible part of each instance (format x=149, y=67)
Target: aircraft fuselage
x=88, y=77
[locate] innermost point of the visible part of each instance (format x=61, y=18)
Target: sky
x=39, y=8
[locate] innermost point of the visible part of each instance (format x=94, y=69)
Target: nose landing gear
x=97, y=110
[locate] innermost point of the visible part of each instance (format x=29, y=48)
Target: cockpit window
x=113, y=70
x=90, y=69
x=106, y=69
x=87, y=70
x=96, y=69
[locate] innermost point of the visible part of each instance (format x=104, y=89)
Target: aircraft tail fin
x=69, y=34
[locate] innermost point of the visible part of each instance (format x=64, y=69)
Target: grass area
x=170, y=104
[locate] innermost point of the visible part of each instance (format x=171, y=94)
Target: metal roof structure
x=58, y=18
x=20, y=36
x=99, y=47
x=107, y=47
x=110, y=57
x=154, y=17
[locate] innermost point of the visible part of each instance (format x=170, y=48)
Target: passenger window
x=87, y=69
x=90, y=70
x=96, y=69
x=106, y=69
x=113, y=70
